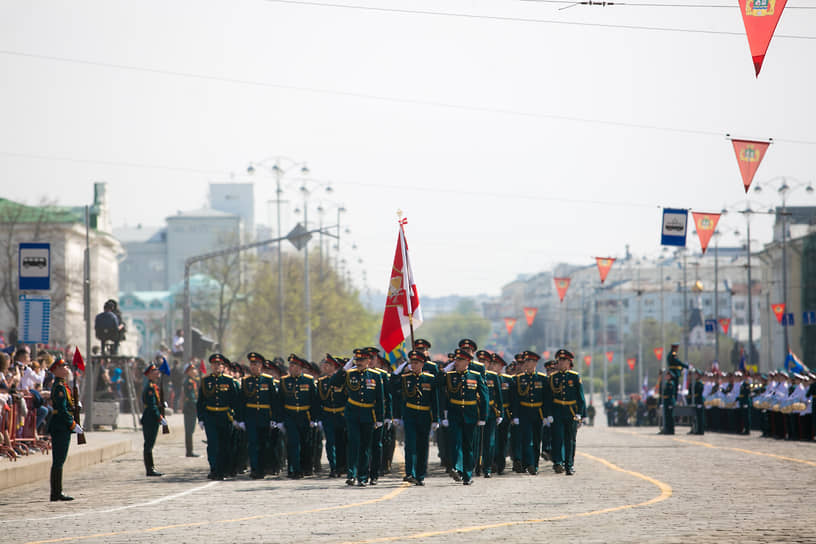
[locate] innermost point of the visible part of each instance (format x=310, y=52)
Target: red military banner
x=604, y=264
x=610, y=355
x=706, y=224
x=631, y=362
x=561, y=285
x=779, y=311
x=509, y=322
x=529, y=315
x=760, y=18
x=658, y=353
x=587, y=359
x=725, y=323
x=749, y=155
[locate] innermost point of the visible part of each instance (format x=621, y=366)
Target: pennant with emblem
x=760, y=18
x=658, y=353
x=749, y=155
x=587, y=360
x=529, y=315
x=631, y=362
x=725, y=323
x=604, y=265
x=561, y=285
x=706, y=224
x=545, y=354
x=610, y=355
x=509, y=322
x=779, y=311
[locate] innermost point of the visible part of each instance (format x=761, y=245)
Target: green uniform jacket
x=62, y=419
x=493, y=383
x=297, y=396
x=257, y=394
x=365, y=397
x=668, y=392
x=332, y=397
x=218, y=395
x=567, y=395
x=151, y=399
x=465, y=395
x=506, y=381
x=697, y=395
x=416, y=394
x=529, y=394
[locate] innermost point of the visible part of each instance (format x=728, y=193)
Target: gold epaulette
x=307, y=376
x=491, y=372
x=267, y=376
x=542, y=374
x=427, y=374
x=506, y=376
x=572, y=372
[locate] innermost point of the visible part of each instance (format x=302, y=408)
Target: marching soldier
x=215, y=401
x=151, y=417
x=546, y=429
x=238, y=453
x=418, y=407
x=568, y=409
x=465, y=397
x=381, y=436
x=493, y=417
x=513, y=369
x=364, y=412
x=503, y=421
x=469, y=346
x=332, y=408
x=669, y=390
x=60, y=426
x=297, y=397
x=276, y=449
x=254, y=412
x=528, y=395
x=190, y=387
x=744, y=407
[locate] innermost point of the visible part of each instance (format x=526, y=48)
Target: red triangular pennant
x=749, y=155
x=78, y=363
x=631, y=362
x=610, y=355
x=760, y=18
x=545, y=354
x=509, y=322
x=658, y=353
x=587, y=359
x=530, y=314
x=561, y=285
x=706, y=224
x=604, y=264
x=725, y=323
x=779, y=311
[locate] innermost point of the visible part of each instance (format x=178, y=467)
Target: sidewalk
x=101, y=446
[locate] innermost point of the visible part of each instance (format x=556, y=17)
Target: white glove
x=282, y=428
x=499, y=421
x=585, y=421
x=399, y=369
x=480, y=423
x=78, y=429
x=550, y=419
x=273, y=425
x=514, y=421
x=546, y=422
x=166, y=405
x=237, y=424
x=445, y=423
x=201, y=424
x=378, y=424
x=163, y=422
x=397, y=422
x=320, y=425
x=388, y=423
x=434, y=426
x=449, y=367
x=349, y=365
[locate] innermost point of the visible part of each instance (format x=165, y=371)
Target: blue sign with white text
x=673, y=231
x=34, y=266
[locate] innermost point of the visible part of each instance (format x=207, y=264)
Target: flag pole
x=407, y=287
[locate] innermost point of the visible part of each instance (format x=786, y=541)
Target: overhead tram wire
x=603, y=3
x=382, y=98
x=503, y=18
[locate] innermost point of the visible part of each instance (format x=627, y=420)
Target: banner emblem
x=604, y=265
x=509, y=322
x=760, y=18
x=779, y=311
x=749, y=156
x=706, y=224
x=529, y=315
x=561, y=285
x=658, y=353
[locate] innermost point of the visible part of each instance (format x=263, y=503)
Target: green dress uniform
x=365, y=401
x=675, y=365
x=378, y=437
x=744, y=408
x=332, y=409
x=528, y=396
x=151, y=417
x=503, y=428
x=190, y=387
x=567, y=408
x=699, y=409
x=667, y=398
x=216, y=401
x=255, y=406
x=494, y=414
x=465, y=397
x=297, y=399
x=418, y=407
x=60, y=427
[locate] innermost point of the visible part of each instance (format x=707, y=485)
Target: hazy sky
x=510, y=140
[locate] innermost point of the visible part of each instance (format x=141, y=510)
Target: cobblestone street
x=631, y=486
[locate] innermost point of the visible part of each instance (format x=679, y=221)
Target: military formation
x=270, y=420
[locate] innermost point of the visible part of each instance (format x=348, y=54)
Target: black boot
x=56, y=486
x=148, y=462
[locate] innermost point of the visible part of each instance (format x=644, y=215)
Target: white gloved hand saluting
x=273, y=425
x=349, y=365
x=399, y=369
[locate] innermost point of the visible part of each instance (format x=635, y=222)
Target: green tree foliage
x=338, y=319
x=445, y=330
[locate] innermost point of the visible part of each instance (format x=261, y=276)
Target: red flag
x=779, y=311
x=202, y=368
x=604, y=264
x=724, y=323
x=401, y=309
x=658, y=353
x=760, y=18
x=78, y=363
x=545, y=354
x=706, y=224
x=529, y=314
x=749, y=154
x=610, y=355
x=509, y=322
x=631, y=363
x=562, y=284
x=587, y=359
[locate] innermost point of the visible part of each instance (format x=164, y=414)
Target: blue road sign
x=710, y=325
x=673, y=232
x=809, y=318
x=787, y=320
x=34, y=267
x=34, y=318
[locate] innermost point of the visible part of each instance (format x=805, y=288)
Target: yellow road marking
x=665, y=493
x=712, y=446
x=387, y=497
